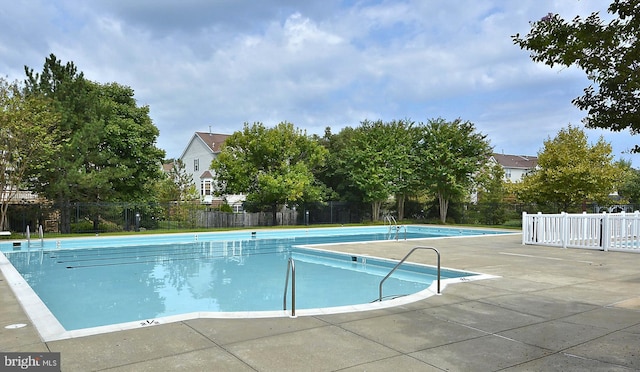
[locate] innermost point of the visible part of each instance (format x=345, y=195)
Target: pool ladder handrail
x=394, y=223
x=291, y=266
x=398, y=231
x=402, y=261
x=40, y=235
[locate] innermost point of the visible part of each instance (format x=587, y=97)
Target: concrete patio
x=552, y=309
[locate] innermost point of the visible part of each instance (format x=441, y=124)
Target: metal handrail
x=291, y=266
x=394, y=223
x=402, y=261
x=398, y=227
x=40, y=235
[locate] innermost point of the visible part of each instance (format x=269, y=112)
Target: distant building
x=197, y=157
x=167, y=167
x=515, y=166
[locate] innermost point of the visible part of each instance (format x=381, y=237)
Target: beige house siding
x=515, y=166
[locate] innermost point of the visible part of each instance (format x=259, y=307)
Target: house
x=197, y=157
x=515, y=166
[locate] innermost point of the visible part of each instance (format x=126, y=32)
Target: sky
x=205, y=65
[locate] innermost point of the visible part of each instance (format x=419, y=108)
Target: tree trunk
x=3, y=217
x=8, y=194
x=375, y=210
x=65, y=216
x=274, y=215
x=444, y=206
x=96, y=222
x=400, y=198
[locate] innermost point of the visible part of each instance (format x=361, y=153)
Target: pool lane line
x=98, y=258
x=195, y=257
x=132, y=263
x=111, y=252
x=89, y=252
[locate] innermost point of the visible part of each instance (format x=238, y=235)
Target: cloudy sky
x=314, y=63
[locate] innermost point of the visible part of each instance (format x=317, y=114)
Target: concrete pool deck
x=550, y=309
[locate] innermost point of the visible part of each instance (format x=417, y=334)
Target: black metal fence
x=116, y=217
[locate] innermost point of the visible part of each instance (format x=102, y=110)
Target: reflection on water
x=92, y=287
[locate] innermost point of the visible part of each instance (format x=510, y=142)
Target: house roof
x=213, y=140
x=205, y=175
x=167, y=167
x=516, y=161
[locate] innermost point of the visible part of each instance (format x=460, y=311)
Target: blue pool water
x=94, y=282
x=333, y=235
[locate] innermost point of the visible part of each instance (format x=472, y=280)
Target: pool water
x=90, y=287
x=331, y=235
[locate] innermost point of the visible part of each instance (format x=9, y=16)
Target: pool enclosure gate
x=606, y=231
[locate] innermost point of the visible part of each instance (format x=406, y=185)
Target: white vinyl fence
x=606, y=231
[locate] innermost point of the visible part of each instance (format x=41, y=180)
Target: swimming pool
x=82, y=284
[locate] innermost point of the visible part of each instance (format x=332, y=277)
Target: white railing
x=608, y=232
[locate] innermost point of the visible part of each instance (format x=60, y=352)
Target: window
x=205, y=187
x=196, y=164
x=507, y=174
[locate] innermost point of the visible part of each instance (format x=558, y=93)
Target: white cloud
x=315, y=63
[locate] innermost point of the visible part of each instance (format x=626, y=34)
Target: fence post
x=564, y=229
x=622, y=235
x=634, y=227
x=605, y=236
x=538, y=227
x=525, y=228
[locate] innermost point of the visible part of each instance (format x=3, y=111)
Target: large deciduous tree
x=404, y=161
x=609, y=52
x=377, y=159
x=449, y=154
x=491, y=192
x=629, y=187
x=571, y=171
x=107, y=149
x=333, y=175
x=366, y=164
x=27, y=126
x=274, y=167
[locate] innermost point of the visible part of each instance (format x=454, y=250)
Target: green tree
x=274, y=167
x=27, y=126
x=177, y=184
x=570, y=171
x=492, y=190
x=449, y=155
x=403, y=139
x=629, y=184
x=333, y=174
x=106, y=142
x=365, y=164
x=377, y=160
x=609, y=54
